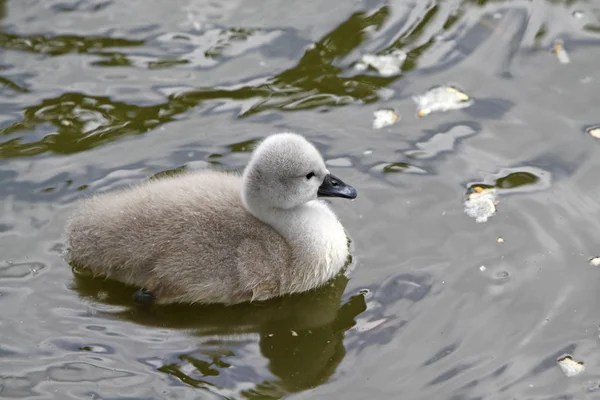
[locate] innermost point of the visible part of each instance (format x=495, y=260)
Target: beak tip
x=339, y=189
x=352, y=193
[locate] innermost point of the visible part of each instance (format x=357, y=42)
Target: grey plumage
x=216, y=237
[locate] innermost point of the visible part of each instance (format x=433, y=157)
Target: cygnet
x=219, y=237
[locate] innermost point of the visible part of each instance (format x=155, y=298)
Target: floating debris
x=500, y=240
x=384, y=117
x=595, y=261
x=481, y=204
x=594, y=131
x=294, y=333
x=560, y=52
x=482, y=268
x=386, y=64
x=569, y=366
x=441, y=98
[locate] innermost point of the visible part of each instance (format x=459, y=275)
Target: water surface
x=97, y=95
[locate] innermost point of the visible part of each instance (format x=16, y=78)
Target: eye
x=310, y=175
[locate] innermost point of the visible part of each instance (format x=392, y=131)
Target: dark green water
x=96, y=95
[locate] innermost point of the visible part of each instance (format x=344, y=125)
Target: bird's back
x=187, y=236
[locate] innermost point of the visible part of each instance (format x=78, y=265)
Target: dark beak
x=335, y=187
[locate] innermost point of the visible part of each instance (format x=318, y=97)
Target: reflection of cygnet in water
x=215, y=237
x=301, y=335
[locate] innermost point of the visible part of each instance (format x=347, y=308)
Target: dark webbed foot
x=144, y=297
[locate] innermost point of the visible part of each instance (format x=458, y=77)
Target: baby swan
x=216, y=237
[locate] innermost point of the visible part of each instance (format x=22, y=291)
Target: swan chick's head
x=287, y=171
